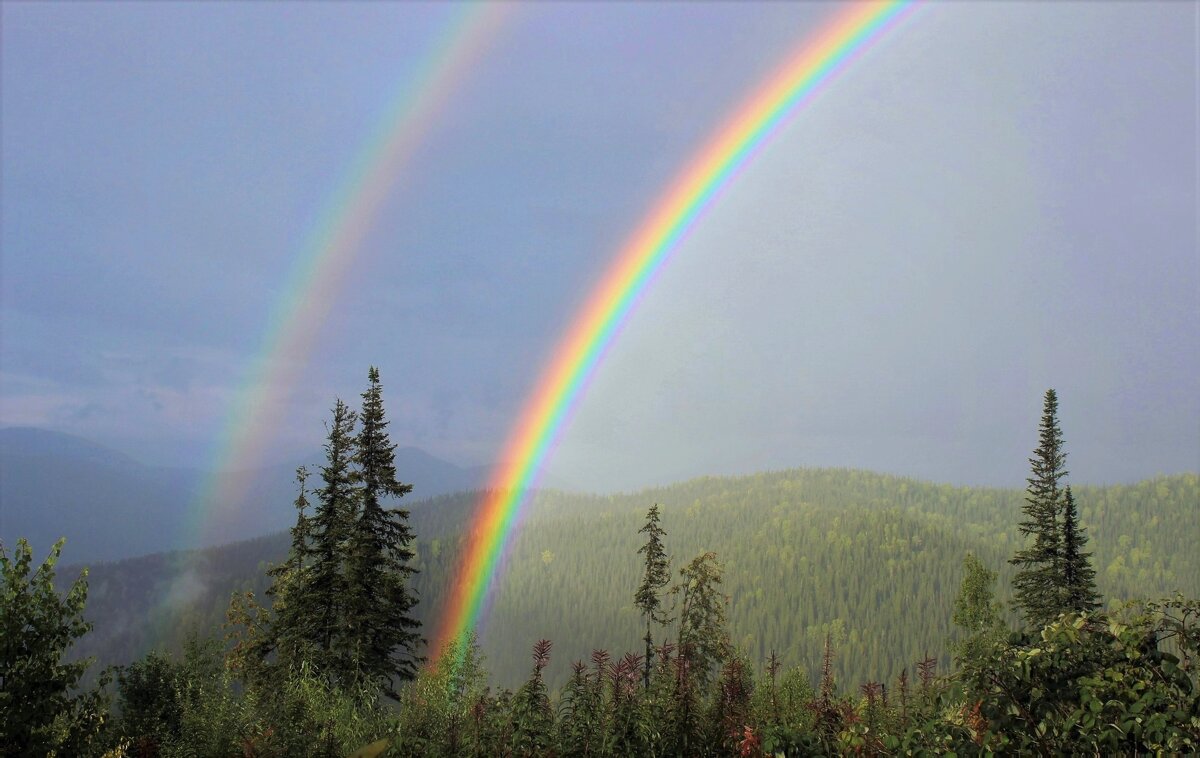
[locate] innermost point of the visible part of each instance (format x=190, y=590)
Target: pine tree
x=380, y=600
x=343, y=599
x=658, y=574
x=288, y=640
x=1038, y=580
x=318, y=600
x=1078, y=576
x=299, y=551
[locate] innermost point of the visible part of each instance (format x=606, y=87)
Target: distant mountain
x=31, y=442
x=105, y=503
x=110, y=506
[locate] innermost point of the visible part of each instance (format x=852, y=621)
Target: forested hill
x=876, y=559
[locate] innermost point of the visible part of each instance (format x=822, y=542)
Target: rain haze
x=994, y=200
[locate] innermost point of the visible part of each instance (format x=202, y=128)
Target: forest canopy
x=795, y=612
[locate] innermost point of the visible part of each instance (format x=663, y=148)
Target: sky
x=994, y=200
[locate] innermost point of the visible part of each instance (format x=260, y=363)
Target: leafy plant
x=41, y=710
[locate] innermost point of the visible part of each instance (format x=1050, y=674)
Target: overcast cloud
x=995, y=200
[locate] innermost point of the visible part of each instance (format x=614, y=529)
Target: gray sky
x=995, y=200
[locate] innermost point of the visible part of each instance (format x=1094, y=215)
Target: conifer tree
x=656, y=577
x=380, y=600
x=1038, y=580
x=1078, y=576
x=299, y=551
x=319, y=599
x=288, y=639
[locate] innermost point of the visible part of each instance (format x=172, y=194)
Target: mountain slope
x=54, y=485
x=110, y=506
x=875, y=560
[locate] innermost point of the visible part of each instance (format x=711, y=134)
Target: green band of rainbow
x=610, y=304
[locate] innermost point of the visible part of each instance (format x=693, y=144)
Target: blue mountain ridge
x=110, y=506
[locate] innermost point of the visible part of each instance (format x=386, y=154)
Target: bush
x=41, y=711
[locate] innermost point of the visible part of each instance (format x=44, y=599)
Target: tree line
x=334, y=665
x=873, y=559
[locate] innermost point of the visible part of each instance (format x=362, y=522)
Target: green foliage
x=703, y=643
x=212, y=719
x=1036, y=585
x=305, y=676
x=1088, y=683
x=977, y=613
x=1078, y=588
x=648, y=597
x=629, y=732
x=343, y=603
x=41, y=711
x=532, y=717
x=300, y=532
x=579, y=715
x=1119, y=684
x=285, y=633
x=250, y=637
x=730, y=713
x=182, y=706
x=315, y=717
x=782, y=709
x=442, y=712
x=808, y=551
x=379, y=607
x=149, y=703
x=1056, y=574
x=314, y=620
x=192, y=706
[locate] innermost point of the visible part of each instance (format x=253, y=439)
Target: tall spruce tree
x=299, y=551
x=657, y=575
x=1037, y=585
x=380, y=613
x=1078, y=576
x=288, y=639
x=319, y=598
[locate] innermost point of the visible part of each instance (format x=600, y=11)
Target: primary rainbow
x=793, y=84
x=328, y=249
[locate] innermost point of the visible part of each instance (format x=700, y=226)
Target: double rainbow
x=609, y=306
x=331, y=245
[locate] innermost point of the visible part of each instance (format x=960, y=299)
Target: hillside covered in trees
x=794, y=612
x=873, y=558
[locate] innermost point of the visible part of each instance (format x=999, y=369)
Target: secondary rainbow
x=816, y=61
x=328, y=249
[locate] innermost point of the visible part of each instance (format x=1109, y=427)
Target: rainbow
x=328, y=249
x=608, y=308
